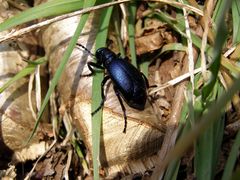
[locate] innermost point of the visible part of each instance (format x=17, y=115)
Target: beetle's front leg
x=123, y=109
x=106, y=78
x=92, y=66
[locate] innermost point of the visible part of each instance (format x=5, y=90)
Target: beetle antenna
x=83, y=47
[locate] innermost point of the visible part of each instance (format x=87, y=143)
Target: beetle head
x=100, y=55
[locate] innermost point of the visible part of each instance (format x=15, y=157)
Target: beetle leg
x=91, y=66
x=106, y=78
x=123, y=108
x=146, y=80
x=147, y=83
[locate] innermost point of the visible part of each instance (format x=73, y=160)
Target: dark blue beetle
x=128, y=82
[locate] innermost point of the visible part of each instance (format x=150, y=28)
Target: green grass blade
x=217, y=49
x=80, y=154
x=172, y=170
x=236, y=20
x=218, y=133
x=24, y=72
x=144, y=67
x=203, y=155
x=228, y=170
x=96, y=96
x=233, y=68
x=207, y=147
x=236, y=174
x=131, y=31
x=173, y=47
x=61, y=67
x=50, y=8
x=184, y=126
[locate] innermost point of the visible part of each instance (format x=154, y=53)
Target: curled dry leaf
x=152, y=36
x=16, y=120
x=127, y=153
x=149, y=43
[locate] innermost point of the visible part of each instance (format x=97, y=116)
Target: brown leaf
x=148, y=43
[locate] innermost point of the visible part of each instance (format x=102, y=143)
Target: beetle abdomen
x=129, y=82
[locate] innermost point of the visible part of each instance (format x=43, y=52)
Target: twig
x=66, y=169
x=30, y=173
x=174, y=81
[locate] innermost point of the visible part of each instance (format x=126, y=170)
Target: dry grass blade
x=172, y=124
x=20, y=32
x=174, y=81
x=189, y=53
x=206, y=20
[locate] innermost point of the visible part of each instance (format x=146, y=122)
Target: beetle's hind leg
x=147, y=83
x=106, y=78
x=145, y=79
x=123, y=109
